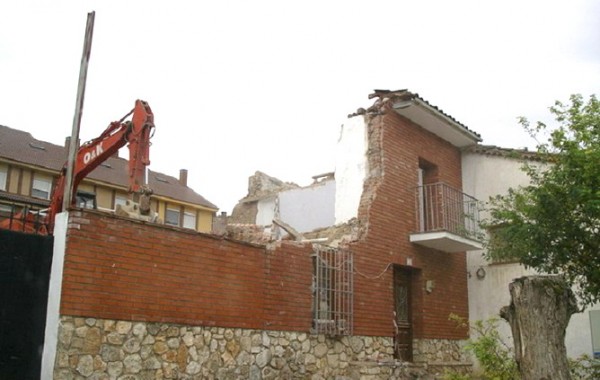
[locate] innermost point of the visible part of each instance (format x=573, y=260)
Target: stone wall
x=442, y=354
x=98, y=349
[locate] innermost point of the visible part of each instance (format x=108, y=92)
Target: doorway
x=403, y=337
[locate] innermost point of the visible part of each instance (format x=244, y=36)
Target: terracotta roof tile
x=405, y=94
x=492, y=150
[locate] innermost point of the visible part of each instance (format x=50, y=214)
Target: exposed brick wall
x=120, y=269
x=388, y=210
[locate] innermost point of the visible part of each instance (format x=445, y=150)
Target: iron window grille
x=333, y=291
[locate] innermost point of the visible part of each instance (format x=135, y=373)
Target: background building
x=29, y=168
x=487, y=172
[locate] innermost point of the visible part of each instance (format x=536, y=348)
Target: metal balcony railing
x=444, y=208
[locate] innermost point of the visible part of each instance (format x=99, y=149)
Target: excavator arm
x=136, y=133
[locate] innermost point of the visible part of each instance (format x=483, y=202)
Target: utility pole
x=74, y=143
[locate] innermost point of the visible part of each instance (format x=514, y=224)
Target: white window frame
x=3, y=178
x=189, y=220
x=595, y=332
x=178, y=211
x=43, y=185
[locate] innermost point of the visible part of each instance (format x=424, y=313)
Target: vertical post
x=73, y=144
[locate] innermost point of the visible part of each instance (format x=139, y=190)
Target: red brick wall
x=388, y=210
x=120, y=269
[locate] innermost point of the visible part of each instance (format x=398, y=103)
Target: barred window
x=333, y=287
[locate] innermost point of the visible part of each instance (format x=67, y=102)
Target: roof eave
x=436, y=122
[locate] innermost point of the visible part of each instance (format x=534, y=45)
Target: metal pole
x=74, y=143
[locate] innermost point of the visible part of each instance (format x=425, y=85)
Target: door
x=402, y=314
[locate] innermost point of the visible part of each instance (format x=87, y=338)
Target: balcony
x=447, y=219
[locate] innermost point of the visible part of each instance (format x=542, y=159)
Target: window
x=172, y=217
x=120, y=200
x=3, y=175
x=86, y=200
x=41, y=187
x=595, y=326
x=6, y=210
x=332, y=288
x=189, y=220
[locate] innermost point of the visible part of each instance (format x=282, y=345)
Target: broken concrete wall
x=350, y=168
x=266, y=211
x=302, y=208
x=262, y=188
x=308, y=208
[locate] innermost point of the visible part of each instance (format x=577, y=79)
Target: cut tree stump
x=539, y=312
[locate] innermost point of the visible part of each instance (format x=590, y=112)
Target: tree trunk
x=539, y=313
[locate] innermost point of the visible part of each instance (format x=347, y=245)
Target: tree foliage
x=553, y=224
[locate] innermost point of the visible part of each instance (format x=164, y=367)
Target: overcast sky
x=240, y=86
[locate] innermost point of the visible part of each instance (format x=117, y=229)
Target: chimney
x=183, y=177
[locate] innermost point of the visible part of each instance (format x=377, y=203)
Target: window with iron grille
x=333, y=291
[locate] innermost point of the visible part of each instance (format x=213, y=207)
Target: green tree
x=553, y=224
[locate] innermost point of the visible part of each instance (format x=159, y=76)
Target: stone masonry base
x=99, y=349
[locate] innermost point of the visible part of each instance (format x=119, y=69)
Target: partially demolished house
x=368, y=295
x=396, y=207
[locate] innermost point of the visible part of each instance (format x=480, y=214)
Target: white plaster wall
x=350, y=168
x=483, y=177
x=308, y=208
x=265, y=212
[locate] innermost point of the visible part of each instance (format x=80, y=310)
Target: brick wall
x=387, y=209
x=119, y=269
x=126, y=270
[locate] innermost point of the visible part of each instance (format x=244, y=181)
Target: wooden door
x=402, y=314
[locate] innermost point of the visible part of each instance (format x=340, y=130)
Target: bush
x=495, y=357
x=585, y=368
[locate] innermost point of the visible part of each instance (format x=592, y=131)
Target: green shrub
x=494, y=356
x=497, y=359
x=584, y=368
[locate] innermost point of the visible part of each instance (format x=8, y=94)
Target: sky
x=240, y=86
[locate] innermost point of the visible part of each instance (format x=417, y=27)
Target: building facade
x=489, y=171
x=29, y=169
x=415, y=224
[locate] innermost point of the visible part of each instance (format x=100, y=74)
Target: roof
x=22, y=147
x=23, y=199
x=492, y=150
x=428, y=116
